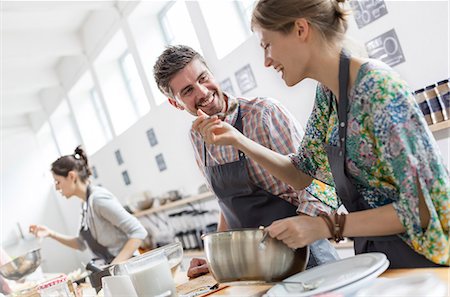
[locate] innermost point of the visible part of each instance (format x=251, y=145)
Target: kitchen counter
x=259, y=290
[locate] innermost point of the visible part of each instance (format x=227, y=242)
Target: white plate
x=333, y=276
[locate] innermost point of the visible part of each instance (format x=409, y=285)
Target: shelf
x=181, y=202
x=439, y=126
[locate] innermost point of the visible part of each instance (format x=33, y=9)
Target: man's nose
x=202, y=90
x=267, y=60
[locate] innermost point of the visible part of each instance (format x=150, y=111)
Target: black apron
x=400, y=255
x=98, y=249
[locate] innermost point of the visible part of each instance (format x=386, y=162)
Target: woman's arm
x=302, y=230
x=127, y=251
x=44, y=231
x=214, y=131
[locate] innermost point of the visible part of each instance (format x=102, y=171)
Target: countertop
x=254, y=290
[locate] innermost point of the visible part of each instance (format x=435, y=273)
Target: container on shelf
x=423, y=104
x=443, y=89
x=437, y=108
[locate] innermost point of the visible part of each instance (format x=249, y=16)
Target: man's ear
x=302, y=28
x=175, y=104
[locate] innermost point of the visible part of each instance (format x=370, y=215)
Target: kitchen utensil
x=232, y=105
x=262, y=243
x=21, y=266
x=235, y=256
x=200, y=291
x=97, y=274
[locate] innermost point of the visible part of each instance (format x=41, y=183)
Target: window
x=89, y=114
x=121, y=107
x=228, y=23
x=47, y=144
x=63, y=125
x=177, y=25
x=133, y=84
x=149, y=38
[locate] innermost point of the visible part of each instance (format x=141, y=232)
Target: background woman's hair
x=77, y=161
x=326, y=16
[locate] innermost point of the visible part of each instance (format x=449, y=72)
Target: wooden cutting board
x=223, y=290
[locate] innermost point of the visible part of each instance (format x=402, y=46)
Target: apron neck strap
x=344, y=73
x=239, y=126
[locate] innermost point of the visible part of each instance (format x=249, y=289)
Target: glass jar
x=56, y=287
x=443, y=89
x=423, y=104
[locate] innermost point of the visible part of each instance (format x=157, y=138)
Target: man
x=248, y=195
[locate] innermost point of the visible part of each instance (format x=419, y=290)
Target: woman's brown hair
x=326, y=16
x=77, y=162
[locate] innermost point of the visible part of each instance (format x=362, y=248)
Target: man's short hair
x=173, y=59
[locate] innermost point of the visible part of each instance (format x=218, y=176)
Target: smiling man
x=248, y=195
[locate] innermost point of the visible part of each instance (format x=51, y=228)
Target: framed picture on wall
x=94, y=172
x=119, y=158
x=227, y=87
x=245, y=79
x=160, y=162
x=366, y=12
x=152, y=137
x=126, y=178
x=386, y=47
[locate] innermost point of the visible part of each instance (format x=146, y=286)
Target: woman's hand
x=298, y=231
x=215, y=131
x=39, y=231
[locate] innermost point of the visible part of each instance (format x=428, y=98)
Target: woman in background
x=366, y=136
x=107, y=228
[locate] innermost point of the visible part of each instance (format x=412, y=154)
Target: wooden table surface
x=259, y=290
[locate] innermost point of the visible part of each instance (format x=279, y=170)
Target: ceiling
x=36, y=36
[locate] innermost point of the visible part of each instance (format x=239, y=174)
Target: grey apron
x=245, y=205
x=98, y=249
x=397, y=251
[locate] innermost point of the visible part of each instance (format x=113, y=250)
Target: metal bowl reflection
x=21, y=266
x=237, y=255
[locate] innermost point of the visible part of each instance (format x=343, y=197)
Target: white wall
x=422, y=28
x=28, y=197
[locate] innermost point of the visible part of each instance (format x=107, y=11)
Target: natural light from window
x=226, y=24
x=133, y=84
x=150, y=41
x=89, y=114
x=177, y=25
x=63, y=125
x=120, y=105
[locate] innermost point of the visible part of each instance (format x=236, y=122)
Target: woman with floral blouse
x=365, y=136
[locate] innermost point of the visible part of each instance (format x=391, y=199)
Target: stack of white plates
x=345, y=276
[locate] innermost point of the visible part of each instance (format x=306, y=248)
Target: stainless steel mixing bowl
x=237, y=255
x=21, y=266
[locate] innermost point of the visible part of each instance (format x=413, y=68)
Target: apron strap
x=239, y=126
x=344, y=73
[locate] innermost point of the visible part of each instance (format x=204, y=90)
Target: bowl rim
x=24, y=254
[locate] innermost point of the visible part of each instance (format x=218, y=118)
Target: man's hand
x=197, y=267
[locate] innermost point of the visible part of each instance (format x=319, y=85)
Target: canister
x=423, y=104
x=443, y=89
x=56, y=287
x=436, y=105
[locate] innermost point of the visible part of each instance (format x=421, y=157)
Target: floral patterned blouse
x=389, y=151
